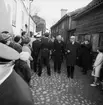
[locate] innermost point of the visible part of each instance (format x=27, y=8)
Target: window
x=14, y=13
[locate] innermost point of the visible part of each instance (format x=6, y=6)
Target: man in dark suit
x=58, y=54
x=45, y=54
x=13, y=89
x=71, y=56
x=35, y=53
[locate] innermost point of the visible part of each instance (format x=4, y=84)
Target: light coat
x=98, y=64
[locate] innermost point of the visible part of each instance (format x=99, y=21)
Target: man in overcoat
x=71, y=56
x=58, y=54
x=36, y=45
x=45, y=54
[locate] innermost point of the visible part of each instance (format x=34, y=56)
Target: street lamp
x=30, y=1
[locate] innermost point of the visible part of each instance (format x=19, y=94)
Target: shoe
x=93, y=84
x=97, y=84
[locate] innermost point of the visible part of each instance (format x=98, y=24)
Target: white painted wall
x=6, y=11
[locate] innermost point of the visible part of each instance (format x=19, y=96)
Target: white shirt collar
x=73, y=42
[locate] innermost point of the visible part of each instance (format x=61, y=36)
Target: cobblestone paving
x=58, y=90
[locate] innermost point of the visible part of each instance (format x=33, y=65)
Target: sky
x=50, y=10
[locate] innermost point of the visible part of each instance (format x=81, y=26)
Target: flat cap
x=8, y=53
x=4, y=37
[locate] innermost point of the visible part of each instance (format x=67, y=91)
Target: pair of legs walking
x=57, y=66
x=45, y=61
x=70, y=71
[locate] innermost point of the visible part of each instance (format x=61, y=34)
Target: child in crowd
x=97, y=66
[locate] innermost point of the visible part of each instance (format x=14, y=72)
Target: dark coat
x=72, y=56
x=16, y=46
x=85, y=57
x=22, y=68
x=36, y=45
x=15, y=91
x=45, y=47
x=58, y=50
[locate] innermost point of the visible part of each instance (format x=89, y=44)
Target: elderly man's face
x=72, y=39
x=58, y=38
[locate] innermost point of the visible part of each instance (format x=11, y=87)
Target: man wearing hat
x=13, y=89
x=45, y=54
x=36, y=45
x=71, y=56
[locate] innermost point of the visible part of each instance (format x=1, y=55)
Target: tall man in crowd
x=36, y=45
x=58, y=54
x=45, y=54
x=71, y=56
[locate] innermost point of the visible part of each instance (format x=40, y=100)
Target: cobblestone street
x=59, y=90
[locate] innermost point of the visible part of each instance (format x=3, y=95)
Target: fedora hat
x=8, y=53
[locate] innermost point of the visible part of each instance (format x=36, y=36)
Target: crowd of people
x=29, y=54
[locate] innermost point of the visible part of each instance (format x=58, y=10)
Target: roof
x=65, y=16
x=69, y=14
x=38, y=19
x=92, y=5
x=77, y=11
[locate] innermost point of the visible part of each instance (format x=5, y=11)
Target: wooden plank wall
x=91, y=22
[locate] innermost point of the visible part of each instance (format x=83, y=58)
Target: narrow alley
x=59, y=90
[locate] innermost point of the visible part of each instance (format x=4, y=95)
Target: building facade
x=61, y=27
x=66, y=26
x=40, y=24
x=89, y=24
x=15, y=16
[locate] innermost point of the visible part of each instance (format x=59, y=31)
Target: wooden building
x=66, y=26
x=89, y=24
x=61, y=27
x=40, y=24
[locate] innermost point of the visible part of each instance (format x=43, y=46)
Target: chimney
x=63, y=12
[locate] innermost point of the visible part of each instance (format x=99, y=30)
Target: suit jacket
x=58, y=47
x=73, y=54
x=58, y=50
x=45, y=47
x=14, y=91
x=36, y=48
